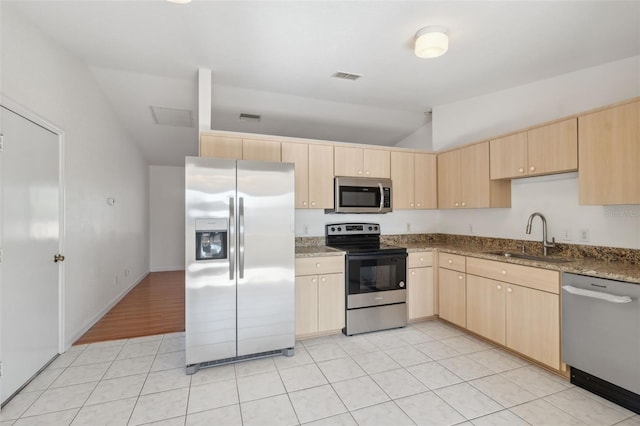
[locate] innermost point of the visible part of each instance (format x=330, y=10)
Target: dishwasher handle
x=597, y=295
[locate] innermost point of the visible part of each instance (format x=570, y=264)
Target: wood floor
x=154, y=306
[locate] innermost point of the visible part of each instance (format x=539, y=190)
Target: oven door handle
x=381, y=196
x=369, y=256
x=596, y=294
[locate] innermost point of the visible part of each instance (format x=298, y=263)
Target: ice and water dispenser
x=211, y=238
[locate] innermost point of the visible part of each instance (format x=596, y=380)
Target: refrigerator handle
x=240, y=237
x=232, y=238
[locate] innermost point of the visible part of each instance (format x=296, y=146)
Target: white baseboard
x=167, y=268
x=75, y=336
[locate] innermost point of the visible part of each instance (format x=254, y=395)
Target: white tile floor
x=427, y=373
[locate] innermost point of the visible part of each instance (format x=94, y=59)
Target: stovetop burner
x=358, y=238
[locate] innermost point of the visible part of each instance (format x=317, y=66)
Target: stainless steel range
x=375, y=278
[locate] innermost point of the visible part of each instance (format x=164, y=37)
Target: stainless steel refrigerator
x=240, y=249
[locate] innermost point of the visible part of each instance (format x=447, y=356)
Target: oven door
x=375, y=279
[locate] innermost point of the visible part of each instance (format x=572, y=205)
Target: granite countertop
x=622, y=271
x=313, y=251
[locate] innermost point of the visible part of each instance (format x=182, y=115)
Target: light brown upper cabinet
x=540, y=151
x=414, y=180
x=361, y=162
x=463, y=180
x=320, y=176
x=314, y=173
x=609, y=156
x=239, y=148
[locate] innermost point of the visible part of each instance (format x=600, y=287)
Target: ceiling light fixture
x=179, y=1
x=431, y=42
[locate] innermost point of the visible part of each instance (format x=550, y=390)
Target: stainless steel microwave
x=362, y=195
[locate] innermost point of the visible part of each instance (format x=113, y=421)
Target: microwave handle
x=381, y=197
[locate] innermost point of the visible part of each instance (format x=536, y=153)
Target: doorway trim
x=38, y=120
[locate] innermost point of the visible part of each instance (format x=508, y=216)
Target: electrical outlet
x=126, y=272
x=584, y=235
x=408, y=227
x=305, y=229
x=115, y=280
x=471, y=228
x=566, y=235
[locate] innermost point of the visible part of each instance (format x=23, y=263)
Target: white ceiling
x=276, y=59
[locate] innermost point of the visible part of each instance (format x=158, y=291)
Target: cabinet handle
x=521, y=170
x=464, y=204
x=449, y=261
x=304, y=203
x=503, y=272
x=323, y=279
x=313, y=280
x=457, y=204
x=313, y=203
x=359, y=172
x=419, y=204
x=459, y=277
x=499, y=287
x=509, y=290
x=532, y=168
x=317, y=265
x=367, y=173
x=410, y=204
x=422, y=259
x=413, y=272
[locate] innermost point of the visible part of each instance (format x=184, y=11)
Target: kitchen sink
x=517, y=255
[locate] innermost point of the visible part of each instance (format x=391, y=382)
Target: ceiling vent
x=172, y=117
x=346, y=76
x=250, y=117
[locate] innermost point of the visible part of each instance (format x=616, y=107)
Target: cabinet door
x=486, y=307
x=298, y=154
x=552, y=148
x=402, y=176
x=260, y=150
x=425, y=182
x=533, y=324
x=449, y=180
x=348, y=161
x=376, y=163
x=474, y=176
x=452, y=296
x=420, y=293
x=608, y=156
x=508, y=156
x=321, y=176
x=220, y=147
x=331, y=302
x=306, y=304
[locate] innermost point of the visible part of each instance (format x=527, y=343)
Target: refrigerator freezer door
x=210, y=298
x=266, y=252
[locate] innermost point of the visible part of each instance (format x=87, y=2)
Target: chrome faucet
x=545, y=244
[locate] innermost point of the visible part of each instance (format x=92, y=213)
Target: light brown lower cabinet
x=517, y=316
x=452, y=296
x=420, y=300
x=320, y=295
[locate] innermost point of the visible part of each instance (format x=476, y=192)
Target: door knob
x=58, y=258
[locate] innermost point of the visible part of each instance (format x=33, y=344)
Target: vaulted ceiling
x=276, y=59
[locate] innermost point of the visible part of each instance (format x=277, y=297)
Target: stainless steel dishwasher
x=601, y=337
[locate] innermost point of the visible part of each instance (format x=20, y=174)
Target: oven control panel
x=352, y=229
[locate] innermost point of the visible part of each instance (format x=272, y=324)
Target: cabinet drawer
x=539, y=279
x=420, y=259
x=451, y=261
x=319, y=265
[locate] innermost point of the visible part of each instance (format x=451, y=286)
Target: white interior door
x=30, y=238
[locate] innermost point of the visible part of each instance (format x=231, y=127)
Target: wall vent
x=346, y=76
x=249, y=117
